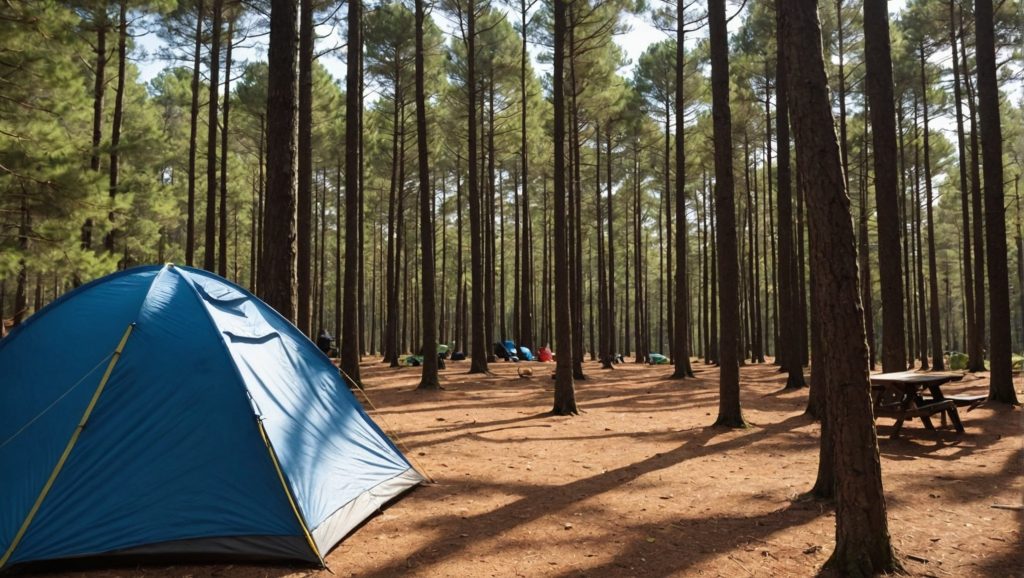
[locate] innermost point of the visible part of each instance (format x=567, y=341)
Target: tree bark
x=222, y=253
x=938, y=363
x=729, y=412
x=210, y=242
x=789, y=299
x=681, y=341
x=478, y=357
x=1001, y=387
x=971, y=329
x=305, y=189
x=879, y=88
x=565, y=395
x=976, y=361
x=116, y=122
x=190, y=225
x=429, y=379
x=278, y=281
x=863, y=546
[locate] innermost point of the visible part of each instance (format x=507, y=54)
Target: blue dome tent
x=165, y=411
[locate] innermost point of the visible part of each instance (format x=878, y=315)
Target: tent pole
x=67, y=450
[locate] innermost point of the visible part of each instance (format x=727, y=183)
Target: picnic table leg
x=897, y=426
x=954, y=416
x=927, y=421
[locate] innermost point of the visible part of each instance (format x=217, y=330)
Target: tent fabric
x=220, y=429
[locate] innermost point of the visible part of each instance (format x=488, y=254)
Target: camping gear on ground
x=442, y=351
x=502, y=350
x=410, y=360
x=325, y=342
x=525, y=354
x=657, y=359
x=458, y=356
x=544, y=354
x=182, y=418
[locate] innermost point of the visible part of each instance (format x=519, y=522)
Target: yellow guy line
x=67, y=450
x=287, y=492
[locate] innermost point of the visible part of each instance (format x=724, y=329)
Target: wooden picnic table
x=910, y=394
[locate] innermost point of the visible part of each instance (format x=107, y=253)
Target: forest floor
x=640, y=484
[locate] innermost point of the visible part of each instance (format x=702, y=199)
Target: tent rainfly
x=164, y=411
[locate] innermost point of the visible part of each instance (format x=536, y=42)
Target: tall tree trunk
x=99, y=90
x=922, y=314
x=210, y=245
x=967, y=277
x=863, y=547
x=976, y=361
x=190, y=227
x=938, y=363
x=565, y=395
x=116, y=122
x=605, y=354
x=879, y=88
x=729, y=413
x=789, y=298
x=429, y=379
x=428, y=330
x=864, y=253
x=478, y=363
x=338, y=279
x=21, y=286
x=612, y=350
x=1001, y=383
x=682, y=303
x=305, y=190
x=278, y=282
x=525, y=279
x=222, y=253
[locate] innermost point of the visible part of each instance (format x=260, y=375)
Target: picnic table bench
x=909, y=394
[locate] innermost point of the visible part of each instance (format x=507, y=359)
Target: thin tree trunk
x=116, y=122
x=222, y=263
x=967, y=276
x=976, y=361
x=210, y=244
x=99, y=92
x=938, y=363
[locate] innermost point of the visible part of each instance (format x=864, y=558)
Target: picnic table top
x=915, y=377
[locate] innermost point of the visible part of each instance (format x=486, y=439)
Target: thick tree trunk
x=305, y=190
x=1001, y=387
x=863, y=546
x=879, y=90
x=729, y=413
x=864, y=253
x=278, y=283
x=565, y=395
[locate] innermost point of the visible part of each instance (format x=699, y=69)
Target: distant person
x=325, y=342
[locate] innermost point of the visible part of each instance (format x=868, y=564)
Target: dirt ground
x=641, y=485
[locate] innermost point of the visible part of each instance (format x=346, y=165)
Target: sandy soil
x=640, y=485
